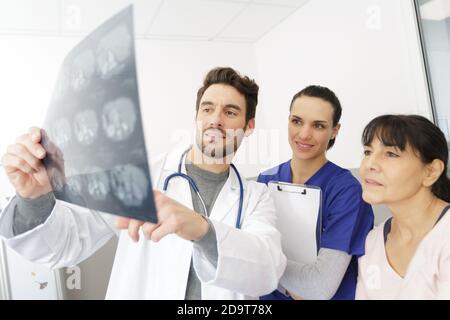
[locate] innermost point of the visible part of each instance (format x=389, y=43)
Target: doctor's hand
x=23, y=165
x=173, y=217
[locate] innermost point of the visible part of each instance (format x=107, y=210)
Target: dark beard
x=218, y=153
x=226, y=150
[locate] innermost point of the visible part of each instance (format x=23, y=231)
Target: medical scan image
x=83, y=69
x=62, y=86
x=93, y=133
x=57, y=179
x=86, y=127
x=74, y=182
x=113, y=50
x=129, y=184
x=62, y=132
x=97, y=183
x=54, y=162
x=119, y=119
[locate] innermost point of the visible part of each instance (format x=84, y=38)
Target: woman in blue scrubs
x=346, y=219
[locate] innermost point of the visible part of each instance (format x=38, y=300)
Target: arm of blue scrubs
x=318, y=281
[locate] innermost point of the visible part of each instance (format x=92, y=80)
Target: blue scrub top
x=346, y=218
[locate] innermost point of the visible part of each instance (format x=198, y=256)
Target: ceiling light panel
x=194, y=18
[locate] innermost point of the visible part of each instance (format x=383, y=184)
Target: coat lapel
x=227, y=202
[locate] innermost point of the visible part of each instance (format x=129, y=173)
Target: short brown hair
x=246, y=86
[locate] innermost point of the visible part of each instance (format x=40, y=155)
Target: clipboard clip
x=303, y=192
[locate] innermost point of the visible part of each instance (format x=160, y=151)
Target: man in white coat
x=189, y=253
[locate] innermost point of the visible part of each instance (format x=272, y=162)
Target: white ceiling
x=199, y=20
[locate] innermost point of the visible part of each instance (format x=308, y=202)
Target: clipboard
x=299, y=219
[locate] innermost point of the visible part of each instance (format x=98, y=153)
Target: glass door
x=434, y=26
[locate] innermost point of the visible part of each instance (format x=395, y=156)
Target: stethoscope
x=197, y=191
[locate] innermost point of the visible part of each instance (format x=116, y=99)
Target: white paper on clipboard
x=299, y=219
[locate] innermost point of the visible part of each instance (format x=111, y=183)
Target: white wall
x=366, y=51
x=28, y=70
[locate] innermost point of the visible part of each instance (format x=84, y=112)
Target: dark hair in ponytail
x=327, y=95
x=441, y=188
x=421, y=134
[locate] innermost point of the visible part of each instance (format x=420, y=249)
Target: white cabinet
x=19, y=278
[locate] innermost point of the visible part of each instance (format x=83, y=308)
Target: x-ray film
x=93, y=134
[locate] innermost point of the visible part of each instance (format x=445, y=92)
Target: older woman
x=405, y=168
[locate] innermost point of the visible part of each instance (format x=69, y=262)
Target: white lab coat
x=250, y=260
